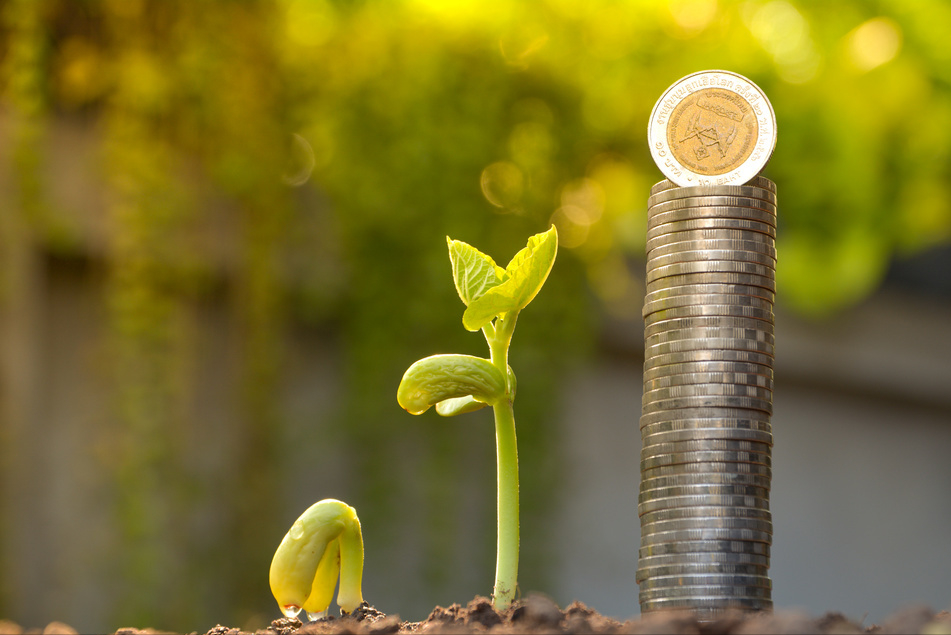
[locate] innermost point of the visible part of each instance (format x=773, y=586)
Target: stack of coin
x=706, y=528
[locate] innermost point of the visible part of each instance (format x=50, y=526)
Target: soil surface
x=538, y=614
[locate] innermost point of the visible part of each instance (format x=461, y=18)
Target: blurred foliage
x=345, y=139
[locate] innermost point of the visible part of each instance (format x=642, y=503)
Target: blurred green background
x=202, y=198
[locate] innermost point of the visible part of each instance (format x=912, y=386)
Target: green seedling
x=455, y=384
x=324, y=541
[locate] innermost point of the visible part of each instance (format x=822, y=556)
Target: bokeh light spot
x=503, y=185
x=874, y=43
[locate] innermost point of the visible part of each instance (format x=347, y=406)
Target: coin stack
x=706, y=528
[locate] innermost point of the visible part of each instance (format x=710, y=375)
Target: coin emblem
x=712, y=128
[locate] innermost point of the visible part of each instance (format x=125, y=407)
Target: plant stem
x=506, y=565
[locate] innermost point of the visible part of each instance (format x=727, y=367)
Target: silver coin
x=707, y=579
x=746, y=535
x=692, y=379
x=704, y=445
x=705, y=255
x=709, y=513
x=707, y=467
x=707, y=522
x=757, y=246
x=767, y=282
x=660, y=238
x=708, y=367
x=712, y=228
x=705, y=390
x=709, y=456
x=691, y=302
x=685, y=126
x=756, y=181
x=701, y=546
x=706, y=605
x=694, y=569
x=709, y=428
x=707, y=401
x=711, y=343
x=706, y=489
x=712, y=201
x=693, y=299
x=698, y=500
x=712, y=478
x=658, y=218
x=702, y=557
x=738, y=191
x=714, y=332
x=721, y=310
x=748, y=226
x=705, y=322
x=710, y=418
x=714, y=414
x=737, y=434
x=709, y=229
x=712, y=591
x=707, y=266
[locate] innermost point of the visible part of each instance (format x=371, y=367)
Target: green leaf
x=442, y=377
x=521, y=282
x=473, y=272
x=458, y=406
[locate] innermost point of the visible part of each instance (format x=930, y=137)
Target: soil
x=538, y=614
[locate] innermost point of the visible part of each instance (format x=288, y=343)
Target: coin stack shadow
x=706, y=527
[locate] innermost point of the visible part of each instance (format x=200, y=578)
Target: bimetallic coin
x=712, y=128
x=762, y=247
x=738, y=191
x=715, y=225
x=702, y=546
x=715, y=321
x=711, y=255
x=656, y=218
x=724, y=310
x=711, y=456
x=756, y=181
x=712, y=201
x=767, y=282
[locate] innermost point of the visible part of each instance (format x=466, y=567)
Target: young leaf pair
x=456, y=384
